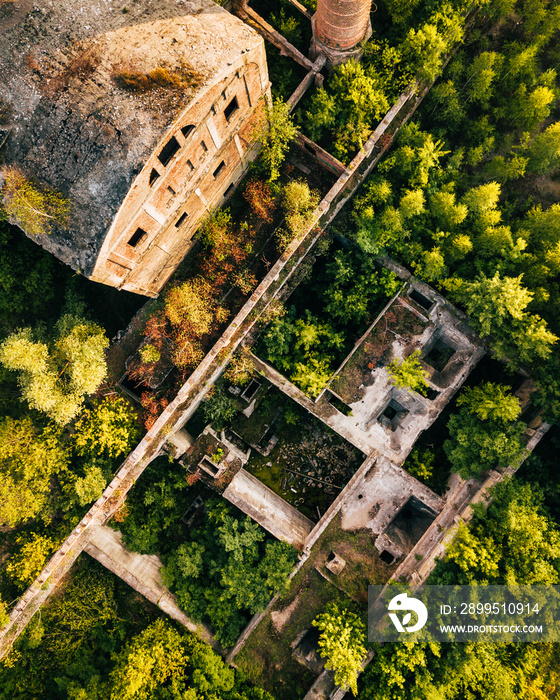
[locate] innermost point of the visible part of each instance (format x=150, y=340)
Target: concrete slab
x=383, y=492
x=141, y=572
x=268, y=509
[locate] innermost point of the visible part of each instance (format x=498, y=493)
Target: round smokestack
x=342, y=24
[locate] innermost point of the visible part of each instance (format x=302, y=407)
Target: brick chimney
x=339, y=27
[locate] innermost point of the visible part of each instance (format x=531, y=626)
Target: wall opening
x=251, y=390
x=209, y=467
x=410, y=523
x=181, y=220
x=387, y=557
x=231, y=108
x=191, y=166
x=340, y=406
x=153, y=176
x=393, y=415
x=171, y=190
x=439, y=355
x=219, y=169
x=168, y=151
x=203, y=146
x=229, y=190
x=186, y=130
x=421, y=300
x=136, y=237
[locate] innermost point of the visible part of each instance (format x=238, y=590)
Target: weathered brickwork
x=339, y=28
x=155, y=225
x=138, y=177
x=341, y=24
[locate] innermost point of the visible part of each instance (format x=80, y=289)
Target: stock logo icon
x=402, y=603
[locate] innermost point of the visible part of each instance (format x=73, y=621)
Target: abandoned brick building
x=141, y=114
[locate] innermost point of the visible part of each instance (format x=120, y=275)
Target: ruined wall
x=141, y=572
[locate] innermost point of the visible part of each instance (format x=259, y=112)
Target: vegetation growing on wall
x=24, y=202
x=330, y=312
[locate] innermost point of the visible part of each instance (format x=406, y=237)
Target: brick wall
x=206, y=151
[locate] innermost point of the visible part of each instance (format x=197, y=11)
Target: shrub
x=149, y=353
x=33, y=208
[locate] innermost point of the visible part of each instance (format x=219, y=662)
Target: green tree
x=513, y=542
x=219, y=408
x=187, y=562
x=36, y=210
x=312, y=375
x=431, y=265
x=227, y=570
x=275, y=133
x=482, y=434
x=481, y=74
x=412, y=203
x=29, y=459
x=90, y=486
x=532, y=106
x=483, y=198
x=152, y=661
x=497, y=306
x=544, y=151
x=298, y=203
x=29, y=559
x=408, y=373
x=355, y=99
x=342, y=644
x=447, y=212
x=108, y=429
x=54, y=377
x=490, y=401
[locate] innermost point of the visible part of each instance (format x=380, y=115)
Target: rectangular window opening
x=136, y=237
x=191, y=166
x=168, y=151
x=181, y=220
x=232, y=107
x=153, y=176
x=229, y=190
x=171, y=190
x=203, y=146
x=420, y=299
x=219, y=169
